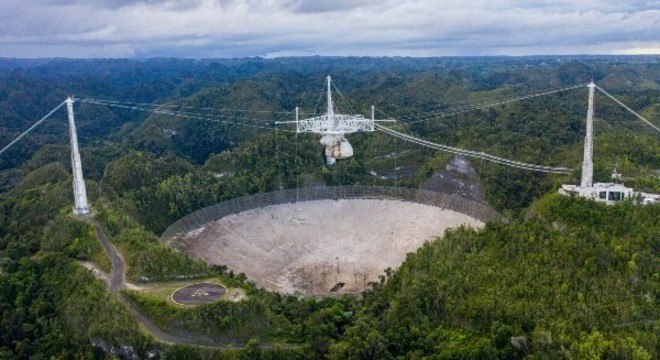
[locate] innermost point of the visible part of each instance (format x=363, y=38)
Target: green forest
x=560, y=277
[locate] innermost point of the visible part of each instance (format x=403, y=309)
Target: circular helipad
x=197, y=294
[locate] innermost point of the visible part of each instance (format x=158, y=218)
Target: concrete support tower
x=608, y=193
x=79, y=191
x=587, y=162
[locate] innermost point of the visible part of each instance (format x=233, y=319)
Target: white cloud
x=229, y=28
x=650, y=50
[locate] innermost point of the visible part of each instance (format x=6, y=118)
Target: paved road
x=118, y=282
x=118, y=274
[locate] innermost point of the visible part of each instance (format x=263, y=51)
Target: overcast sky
x=233, y=28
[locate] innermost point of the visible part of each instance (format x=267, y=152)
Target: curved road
x=118, y=282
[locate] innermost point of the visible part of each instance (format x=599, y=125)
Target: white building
x=604, y=192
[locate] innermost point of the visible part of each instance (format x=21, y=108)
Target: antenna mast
x=331, y=111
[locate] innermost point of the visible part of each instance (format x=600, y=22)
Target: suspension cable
x=474, y=154
x=318, y=101
x=32, y=127
x=459, y=110
x=629, y=109
x=184, y=112
x=350, y=108
x=496, y=99
x=186, y=115
x=164, y=106
x=489, y=98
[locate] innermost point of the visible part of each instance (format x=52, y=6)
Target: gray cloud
x=315, y=6
x=230, y=28
x=114, y=4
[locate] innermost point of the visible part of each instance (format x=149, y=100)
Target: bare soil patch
x=312, y=246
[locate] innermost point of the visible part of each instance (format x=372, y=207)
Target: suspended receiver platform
x=332, y=128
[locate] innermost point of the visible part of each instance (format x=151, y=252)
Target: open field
x=312, y=246
x=164, y=290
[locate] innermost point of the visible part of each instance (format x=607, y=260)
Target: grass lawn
x=164, y=290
